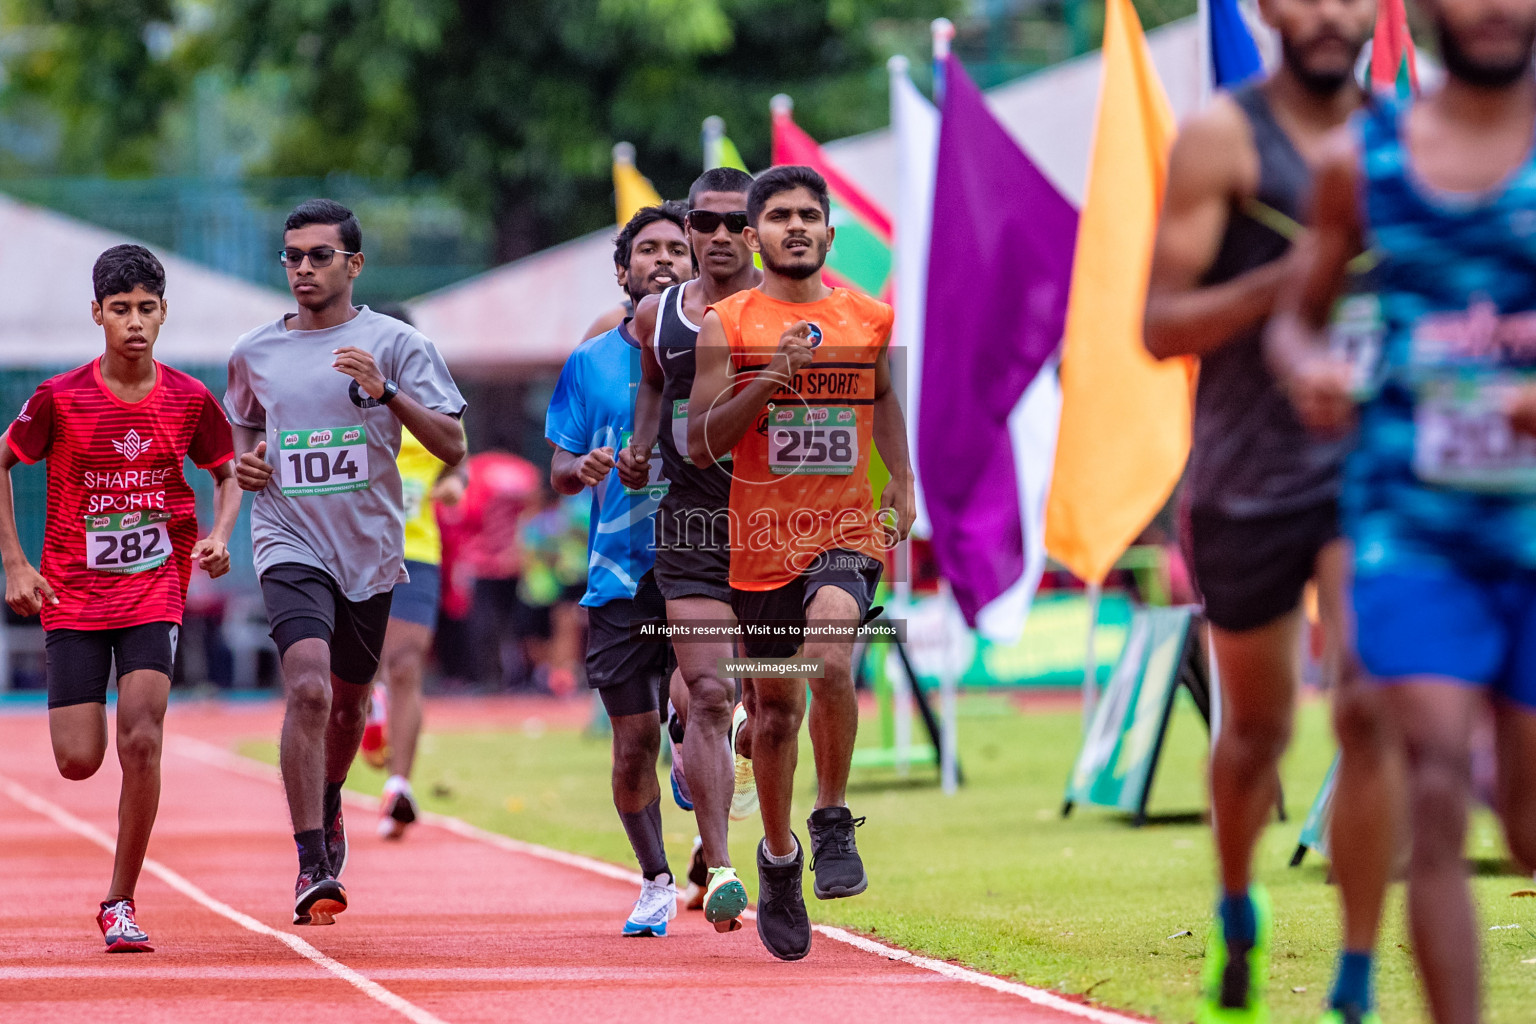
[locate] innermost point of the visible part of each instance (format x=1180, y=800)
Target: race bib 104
x=128, y=542
x=329, y=460
x=1355, y=337
x=822, y=440
x=656, y=485
x=680, y=431
x=1463, y=438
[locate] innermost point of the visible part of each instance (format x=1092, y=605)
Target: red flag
x=862, y=256
x=1393, y=64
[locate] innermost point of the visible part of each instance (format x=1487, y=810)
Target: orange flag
x=1125, y=418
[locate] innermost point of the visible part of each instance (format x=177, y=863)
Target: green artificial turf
x=994, y=877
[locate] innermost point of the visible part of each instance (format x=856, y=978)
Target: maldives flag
x=861, y=257
x=1393, y=66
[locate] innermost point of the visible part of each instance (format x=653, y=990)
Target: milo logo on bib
x=328, y=460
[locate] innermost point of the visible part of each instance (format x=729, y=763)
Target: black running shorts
x=305, y=603
x=1250, y=572
x=693, y=554
x=80, y=661
x=850, y=571
x=630, y=674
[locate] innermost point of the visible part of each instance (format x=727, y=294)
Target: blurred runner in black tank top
x=1261, y=493
x=692, y=528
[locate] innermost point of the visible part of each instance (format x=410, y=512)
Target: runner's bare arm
x=890, y=434
x=252, y=469
x=25, y=588
x=212, y=552
x=727, y=417
x=438, y=432
x=1296, y=343
x=570, y=472
x=605, y=323
x=634, y=461
x=1212, y=166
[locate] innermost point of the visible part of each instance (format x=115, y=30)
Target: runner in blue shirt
x=1440, y=492
x=590, y=418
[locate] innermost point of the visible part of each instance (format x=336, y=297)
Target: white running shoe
x=744, y=798
x=656, y=906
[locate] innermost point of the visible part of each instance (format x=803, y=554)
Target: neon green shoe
x=1219, y=976
x=724, y=900
x=1351, y=1017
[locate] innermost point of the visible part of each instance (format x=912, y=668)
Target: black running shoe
x=782, y=922
x=335, y=841
x=834, y=857
x=317, y=897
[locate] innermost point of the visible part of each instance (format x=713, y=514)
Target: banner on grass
x=1048, y=653
x=1120, y=751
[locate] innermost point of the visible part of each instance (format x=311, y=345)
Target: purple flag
x=999, y=268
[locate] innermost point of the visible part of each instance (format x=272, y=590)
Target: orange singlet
x=800, y=481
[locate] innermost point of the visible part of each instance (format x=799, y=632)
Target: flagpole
x=1091, y=657
x=949, y=685
x=943, y=35
x=713, y=131
x=1207, y=63
x=897, y=67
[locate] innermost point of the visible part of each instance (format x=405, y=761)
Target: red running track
x=450, y=927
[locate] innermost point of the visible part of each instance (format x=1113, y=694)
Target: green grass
x=994, y=878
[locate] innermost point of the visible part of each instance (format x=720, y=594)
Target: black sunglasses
x=319, y=257
x=708, y=221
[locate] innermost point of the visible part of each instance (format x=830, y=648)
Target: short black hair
x=123, y=268
x=624, y=241
x=328, y=211
x=786, y=179
x=719, y=179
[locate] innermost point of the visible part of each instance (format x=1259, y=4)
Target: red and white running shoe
x=375, y=748
x=121, y=931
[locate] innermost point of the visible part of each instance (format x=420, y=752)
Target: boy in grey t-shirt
x=317, y=400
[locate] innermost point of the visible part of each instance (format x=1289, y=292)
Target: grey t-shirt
x=335, y=499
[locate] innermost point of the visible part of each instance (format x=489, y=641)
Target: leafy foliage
x=516, y=105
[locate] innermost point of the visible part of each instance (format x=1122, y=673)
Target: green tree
x=516, y=105
x=99, y=74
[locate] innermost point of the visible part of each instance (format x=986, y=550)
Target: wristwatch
x=391, y=389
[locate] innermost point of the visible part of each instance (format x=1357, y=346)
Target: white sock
x=778, y=861
x=397, y=784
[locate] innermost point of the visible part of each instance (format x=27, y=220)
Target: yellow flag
x=1125, y=418
x=631, y=189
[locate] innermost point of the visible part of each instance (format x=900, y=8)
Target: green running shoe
x=725, y=899
x=1235, y=989
x=1350, y=1015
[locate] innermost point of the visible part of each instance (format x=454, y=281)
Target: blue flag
x=1234, y=56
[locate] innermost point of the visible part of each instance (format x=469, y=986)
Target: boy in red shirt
x=119, y=546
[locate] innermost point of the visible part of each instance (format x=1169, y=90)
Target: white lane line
x=371, y=989
x=208, y=753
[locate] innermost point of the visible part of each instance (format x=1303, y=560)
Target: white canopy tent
x=45, y=264
x=532, y=312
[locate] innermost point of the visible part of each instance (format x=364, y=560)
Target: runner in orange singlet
x=794, y=381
